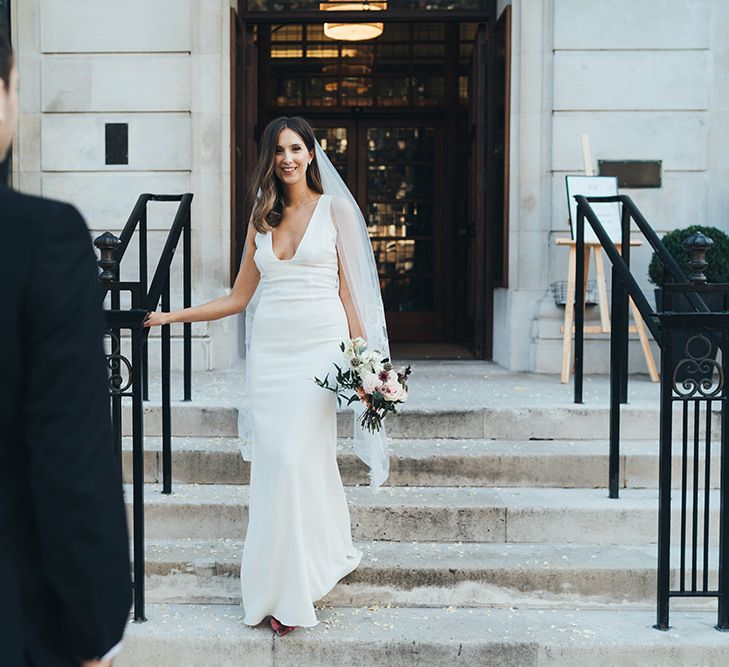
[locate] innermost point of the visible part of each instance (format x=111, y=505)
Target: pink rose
x=392, y=390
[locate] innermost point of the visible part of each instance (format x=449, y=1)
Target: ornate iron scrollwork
x=118, y=366
x=700, y=364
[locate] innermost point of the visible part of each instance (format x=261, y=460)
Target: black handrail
x=701, y=327
x=135, y=386
x=631, y=211
x=584, y=210
x=160, y=289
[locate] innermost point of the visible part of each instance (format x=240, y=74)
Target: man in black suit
x=65, y=587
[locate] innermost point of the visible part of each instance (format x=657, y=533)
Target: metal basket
x=559, y=292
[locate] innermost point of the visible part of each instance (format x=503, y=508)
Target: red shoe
x=280, y=628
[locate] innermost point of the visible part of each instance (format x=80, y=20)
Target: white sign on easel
x=608, y=213
x=590, y=185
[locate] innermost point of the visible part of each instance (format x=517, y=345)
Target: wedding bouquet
x=374, y=381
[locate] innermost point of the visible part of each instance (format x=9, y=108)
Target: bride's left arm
x=355, y=328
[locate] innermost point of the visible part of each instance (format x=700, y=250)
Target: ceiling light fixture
x=353, y=32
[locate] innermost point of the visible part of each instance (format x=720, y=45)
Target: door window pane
x=400, y=198
x=411, y=218
x=407, y=294
x=333, y=141
x=404, y=66
x=402, y=256
x=282, y=33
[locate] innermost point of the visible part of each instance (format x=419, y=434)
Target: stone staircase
x=488, y=546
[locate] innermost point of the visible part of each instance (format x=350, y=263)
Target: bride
x=307, y=281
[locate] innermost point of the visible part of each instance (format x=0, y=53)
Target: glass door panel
x=400, y=196
x=335, y=141
x=390, y=168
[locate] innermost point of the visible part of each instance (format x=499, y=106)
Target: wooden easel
x=602, y=299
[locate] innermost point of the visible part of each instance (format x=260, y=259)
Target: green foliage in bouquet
x=717, y=256
x=345, y=380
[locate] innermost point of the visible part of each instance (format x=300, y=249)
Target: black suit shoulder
x=20, y=206
x=42, y=240
x=26, y=215
x=31, y=224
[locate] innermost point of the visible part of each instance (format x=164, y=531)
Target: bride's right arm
x=239, y=297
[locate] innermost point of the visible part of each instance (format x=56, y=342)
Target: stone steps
x=437, y=462
x=437, y=514
x=215, y=636
x=426, y=574
x=494, y=541
x=538, y=420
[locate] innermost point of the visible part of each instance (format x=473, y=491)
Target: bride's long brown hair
x=267, y=210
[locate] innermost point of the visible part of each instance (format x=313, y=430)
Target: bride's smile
x=287, y=171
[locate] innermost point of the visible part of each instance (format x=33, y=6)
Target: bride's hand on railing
x=155, y=319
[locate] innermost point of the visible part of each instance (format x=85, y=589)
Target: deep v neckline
x=303, y=236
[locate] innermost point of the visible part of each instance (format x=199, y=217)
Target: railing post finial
x=697, y=246
x=107, y=243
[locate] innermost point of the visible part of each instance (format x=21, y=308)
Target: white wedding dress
x=298, y=544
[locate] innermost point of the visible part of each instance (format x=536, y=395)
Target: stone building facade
x=645, y=79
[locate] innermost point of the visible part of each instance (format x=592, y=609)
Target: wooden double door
x=394, y=170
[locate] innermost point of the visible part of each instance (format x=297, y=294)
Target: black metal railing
x=129, y=372
x=692, y=385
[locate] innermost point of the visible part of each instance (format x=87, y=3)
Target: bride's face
x=291, y=157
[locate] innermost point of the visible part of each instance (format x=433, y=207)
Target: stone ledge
x=207, y=636
x=433, y=573
x=436, y=462
x=440, y=514
x=517, y=422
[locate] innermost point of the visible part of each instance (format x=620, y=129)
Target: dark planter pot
x=680, y=304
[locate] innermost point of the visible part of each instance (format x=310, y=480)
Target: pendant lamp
x=353, y=32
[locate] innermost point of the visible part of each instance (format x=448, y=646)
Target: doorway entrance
x=391, y=166
x=395, y=115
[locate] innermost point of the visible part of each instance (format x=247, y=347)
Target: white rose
x=372, y=360
x=370, y=382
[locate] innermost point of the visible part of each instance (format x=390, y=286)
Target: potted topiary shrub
x=717, y=271
x=717, y=257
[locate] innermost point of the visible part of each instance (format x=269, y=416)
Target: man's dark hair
x=6, y=51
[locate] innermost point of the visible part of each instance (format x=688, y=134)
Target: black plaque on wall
x=117, y=143
x=632, y=173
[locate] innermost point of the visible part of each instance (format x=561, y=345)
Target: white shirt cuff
x=112, y=652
